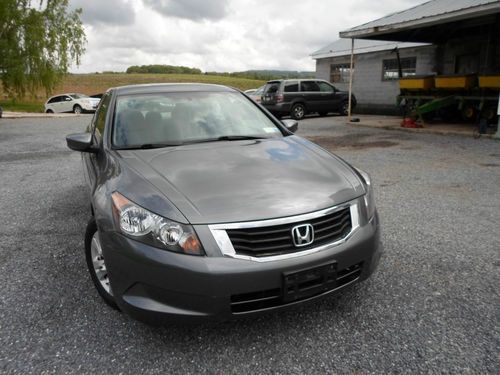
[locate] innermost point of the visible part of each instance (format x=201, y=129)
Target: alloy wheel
x=99, y=266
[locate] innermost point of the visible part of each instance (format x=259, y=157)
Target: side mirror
x=81, y=142
x=291, y=125
x=67, y=99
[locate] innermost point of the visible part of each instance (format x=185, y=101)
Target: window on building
x=390, y=68
x=339, y=73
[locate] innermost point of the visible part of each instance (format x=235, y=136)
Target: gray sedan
x=205, y=206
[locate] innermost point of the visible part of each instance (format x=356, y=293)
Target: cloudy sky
x=218, y=35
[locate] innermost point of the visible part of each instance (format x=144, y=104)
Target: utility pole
x=497, y=134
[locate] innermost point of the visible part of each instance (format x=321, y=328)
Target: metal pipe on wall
x=350, y=77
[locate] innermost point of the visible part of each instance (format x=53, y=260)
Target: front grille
x=266, y=299
x=277, y=239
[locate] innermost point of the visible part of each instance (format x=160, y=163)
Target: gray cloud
x=108, y=12
x=191, y=9
x=252, y=34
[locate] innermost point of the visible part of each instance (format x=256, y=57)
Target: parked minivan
x=297, y=97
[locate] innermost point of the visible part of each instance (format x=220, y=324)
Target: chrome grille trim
x=220, y=235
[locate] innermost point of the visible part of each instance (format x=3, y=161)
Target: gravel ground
x=432, y=306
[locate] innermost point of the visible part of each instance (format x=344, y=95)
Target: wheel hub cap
x=98, y=263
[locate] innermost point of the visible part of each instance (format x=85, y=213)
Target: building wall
x=483, y=43
x=373, y=94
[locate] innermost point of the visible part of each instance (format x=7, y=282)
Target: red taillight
x=279, y=98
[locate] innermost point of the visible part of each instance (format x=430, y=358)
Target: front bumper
x=158, y=286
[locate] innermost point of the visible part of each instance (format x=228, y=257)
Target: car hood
x=235, y=181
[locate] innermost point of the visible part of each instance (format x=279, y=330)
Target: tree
x=38, y=43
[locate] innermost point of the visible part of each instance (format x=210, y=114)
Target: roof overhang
x=406, y=29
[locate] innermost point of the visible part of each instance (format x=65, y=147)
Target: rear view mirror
x=291, y=125
x=81, y=142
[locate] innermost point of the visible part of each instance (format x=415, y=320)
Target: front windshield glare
x=176, y=118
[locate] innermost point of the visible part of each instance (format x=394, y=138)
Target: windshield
x=187, y=117
x=78, y=96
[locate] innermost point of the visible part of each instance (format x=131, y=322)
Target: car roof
x=170, y=87
x=295, y=80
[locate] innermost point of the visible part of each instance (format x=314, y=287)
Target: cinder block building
x=438, y=37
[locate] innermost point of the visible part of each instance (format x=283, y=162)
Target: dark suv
x=297, y=97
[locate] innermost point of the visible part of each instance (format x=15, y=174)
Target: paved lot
x=432, y=307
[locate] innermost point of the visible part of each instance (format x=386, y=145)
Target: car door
x=312, y=95
x=66, y=104
x=55, y=104
x=330, y=101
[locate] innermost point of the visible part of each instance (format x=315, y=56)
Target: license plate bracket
x=308, y=282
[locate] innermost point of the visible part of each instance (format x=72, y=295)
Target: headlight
x=142, y=225
x=369, y=197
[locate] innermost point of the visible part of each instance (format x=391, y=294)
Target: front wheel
x=298, y=112
x=77, y=109
x=97, y=265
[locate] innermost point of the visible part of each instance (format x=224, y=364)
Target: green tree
x=38, y=42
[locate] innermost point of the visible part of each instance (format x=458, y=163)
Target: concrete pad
x=394, y=123
x=8, y=114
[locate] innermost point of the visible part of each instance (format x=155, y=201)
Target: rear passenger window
x=292, y=86
x=54, y=99
x=309, y=86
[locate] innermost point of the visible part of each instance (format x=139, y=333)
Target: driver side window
x=99, y=120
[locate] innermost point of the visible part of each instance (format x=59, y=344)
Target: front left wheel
x=97, y=264
x=77, y=109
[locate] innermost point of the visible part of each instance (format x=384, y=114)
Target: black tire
x=49, y=111
x=77, y=109
x=344, y=108
x=323, y=114
x=89, y=235
x=298, y=111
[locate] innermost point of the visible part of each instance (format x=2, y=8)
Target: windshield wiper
x=226, y=138
x=239, y=137
x=148, y=146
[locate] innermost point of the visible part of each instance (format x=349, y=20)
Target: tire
x=344, y=108
x=95, y=261
x=298, y=111
x=49, y=111
x=77, y=109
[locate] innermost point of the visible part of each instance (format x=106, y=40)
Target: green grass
x=21, y=106
x=98, y=83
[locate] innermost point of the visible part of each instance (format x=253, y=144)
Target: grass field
x=97, y=83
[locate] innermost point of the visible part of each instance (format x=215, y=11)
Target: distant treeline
x=162, y=69
x=263, y=75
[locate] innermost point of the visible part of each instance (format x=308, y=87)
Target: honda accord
x=205, y=206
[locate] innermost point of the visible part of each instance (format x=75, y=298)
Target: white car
x=76, y=103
